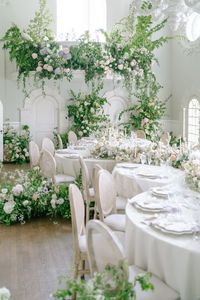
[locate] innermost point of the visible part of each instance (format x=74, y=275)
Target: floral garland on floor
x=16, y=145
x=24, y=195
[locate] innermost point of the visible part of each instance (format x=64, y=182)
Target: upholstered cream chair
x=34, y=154
x=48, y=168
x=104, y=247
x=72, y=138
x=106, y=202
x=140, y=134
x=165, y=138
x=60, y=143
x=88, y=190
x=78, y=230
x=48, y=145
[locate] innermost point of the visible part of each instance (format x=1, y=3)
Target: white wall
x=20, y=12
x=185, y=79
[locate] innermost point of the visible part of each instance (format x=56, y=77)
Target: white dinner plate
x=177, y=227
x=127, y=166
x=150, y=205
x=148, y=175
x=160, y=192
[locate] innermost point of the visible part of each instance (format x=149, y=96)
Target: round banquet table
x=132, y=179
x=71, y=166
x=173, y=258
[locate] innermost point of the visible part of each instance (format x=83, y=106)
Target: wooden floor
x=32, y=256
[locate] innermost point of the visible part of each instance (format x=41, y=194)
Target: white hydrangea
x=4, y=294
x=8, y=207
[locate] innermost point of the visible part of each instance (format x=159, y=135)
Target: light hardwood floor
x=33, y=255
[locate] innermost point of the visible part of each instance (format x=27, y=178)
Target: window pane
x=74, y=17
x=193, y=121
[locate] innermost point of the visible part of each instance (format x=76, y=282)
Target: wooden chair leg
x=83, y=269
x=87, y=211
x=75, y=275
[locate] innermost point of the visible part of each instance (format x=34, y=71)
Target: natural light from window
x=74, y=17
x=193, y=27
x=193, y=121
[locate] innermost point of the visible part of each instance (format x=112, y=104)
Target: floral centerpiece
x=112, y=144
x=28, y=194
x=16, y=145
x=192, y=174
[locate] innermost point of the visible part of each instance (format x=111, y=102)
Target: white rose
x=120, y=67
x=17, y=189
x=50, y=68
x=60, y=201
x=4, y=294
x=25, y=202
x=54, y=196
x=8, y=208
x=53, y=203
x=4, y=191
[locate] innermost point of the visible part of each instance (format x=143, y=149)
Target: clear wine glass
x=149, y=159
x=143, y=158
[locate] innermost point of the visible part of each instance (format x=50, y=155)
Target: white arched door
x=43, y=113
x=1, y=131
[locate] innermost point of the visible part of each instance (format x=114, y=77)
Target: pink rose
x=65, y=50
x=38, y=69
x=17, y=189
x=45, y=66
x=49, y=68
x=144, y=121
x=34, y=55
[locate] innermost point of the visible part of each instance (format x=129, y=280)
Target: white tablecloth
x=173, y=258
x=71, y=166
x=129, y=183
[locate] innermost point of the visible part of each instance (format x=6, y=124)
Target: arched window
x=193, y=27
x=74, y=17
x=193, y=121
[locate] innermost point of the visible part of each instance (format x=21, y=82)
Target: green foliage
x=24, y=195
x=64, y=138
x=129, y=52
x=148, y=110
x=111, y=284
x=38, y=29
x=16, y=145
x=85, y=55
x=86, y=112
